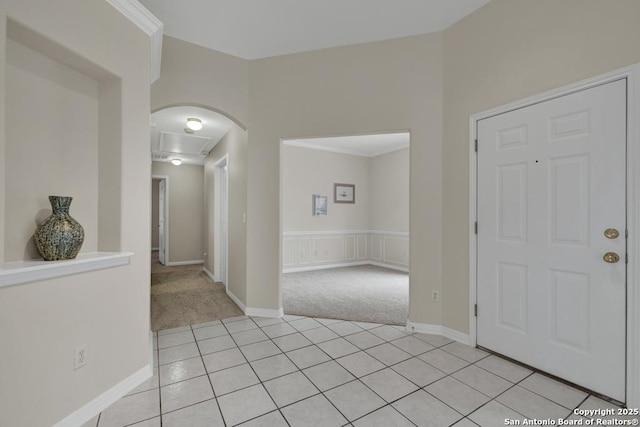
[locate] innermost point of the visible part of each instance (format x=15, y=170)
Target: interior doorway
x=221, y=216
x=160, y=216
x=345, y=227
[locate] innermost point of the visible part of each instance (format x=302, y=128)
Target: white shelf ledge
x=15, y=273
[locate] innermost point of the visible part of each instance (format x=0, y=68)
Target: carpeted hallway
x=185, y=295
x=363, y=293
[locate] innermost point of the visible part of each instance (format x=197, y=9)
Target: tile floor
x=298, y=371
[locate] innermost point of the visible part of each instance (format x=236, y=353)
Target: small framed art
x=344, y=193
x=319, y=205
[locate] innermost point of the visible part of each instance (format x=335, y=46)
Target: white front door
x=162, y=188
x=551, y=180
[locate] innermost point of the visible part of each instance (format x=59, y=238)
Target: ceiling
x=358, y=145
x=170, y=141
x=253, y=29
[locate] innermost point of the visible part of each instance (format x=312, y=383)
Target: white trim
x=15, y=273
x=426, y=328
x=390, y=233
x=389, y=266
x=147, y=22
x=322, y=233
x=304, y=144
x=218, y=168
x=165, y=178
x=632, y=74
x=208, y=273
x=191, y=262
x=106, y=399
x=331, y=232
x=237, y=301
x=324, y=267
x=264, y=312
x=452, y=334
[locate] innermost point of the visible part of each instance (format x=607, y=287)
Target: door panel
x=551, y=179
x=161, y=220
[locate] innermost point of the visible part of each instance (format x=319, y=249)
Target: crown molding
x=147, y=22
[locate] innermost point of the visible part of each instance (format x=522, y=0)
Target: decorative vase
x=59, y=236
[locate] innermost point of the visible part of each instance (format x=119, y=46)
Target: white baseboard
x=237, y=301
x=251, y=311
x=389, y=266
x=323, y=267
x=264, y=312
x=426, y=328
x=106, y=399
x=176, y=263
x=208, y=273
x=345, y=264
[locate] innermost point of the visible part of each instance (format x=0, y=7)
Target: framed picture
x=319, y=205
x=344, y=193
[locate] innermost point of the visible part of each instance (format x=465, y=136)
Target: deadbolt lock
x=611, y=233
x=611, y=257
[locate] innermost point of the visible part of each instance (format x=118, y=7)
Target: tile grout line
x=257, y=376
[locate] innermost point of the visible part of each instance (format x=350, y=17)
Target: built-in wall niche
x=62, y=137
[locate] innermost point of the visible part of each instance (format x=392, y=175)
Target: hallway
x=185, y=295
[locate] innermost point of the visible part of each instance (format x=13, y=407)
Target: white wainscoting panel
x=349, y=248
x=396, y=250
x=289, y=251
x=328, y=249
x=376, y=248
x=311, y=250
x=362, y=247
x=304, y=250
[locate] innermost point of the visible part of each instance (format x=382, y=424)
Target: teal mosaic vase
x=60, y=236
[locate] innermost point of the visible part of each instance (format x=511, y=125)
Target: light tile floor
x=299, y=371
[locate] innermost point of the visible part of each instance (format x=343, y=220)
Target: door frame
x=219, y=169
x=165, y=209
x=632, y=74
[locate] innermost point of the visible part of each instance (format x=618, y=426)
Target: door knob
x=611, y=257
x=611, y=233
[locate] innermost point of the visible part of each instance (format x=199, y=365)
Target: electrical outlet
x=435, y=296
x=80, y=357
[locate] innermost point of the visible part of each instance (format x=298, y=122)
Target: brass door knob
x=611, y=257
x=611, y=233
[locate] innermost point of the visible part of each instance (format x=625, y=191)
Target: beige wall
x=369, y=88
x=186, y=211
x=234, y=144
x=62, y=146
x=306, y=172
x=42, y=322
x=503, y=52
x=155, y=213
x=389, y=191
x=193, y=75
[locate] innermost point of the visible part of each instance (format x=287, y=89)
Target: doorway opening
x=159, y=216
x=221, y=224
x=345, y=227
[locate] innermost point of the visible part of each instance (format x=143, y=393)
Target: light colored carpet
x=185, y=295
x=364, y=293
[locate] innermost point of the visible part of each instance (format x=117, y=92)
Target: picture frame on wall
x=319, y=205
x=344, y=193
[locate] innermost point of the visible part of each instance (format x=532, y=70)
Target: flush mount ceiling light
x=194, y=124
x=189, y=131
x=176, y=162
